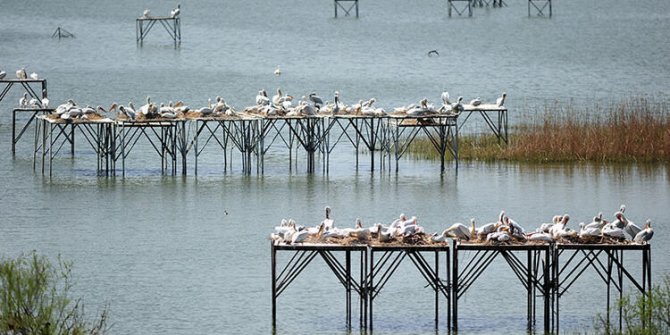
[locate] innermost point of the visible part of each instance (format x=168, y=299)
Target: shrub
x=34, y=299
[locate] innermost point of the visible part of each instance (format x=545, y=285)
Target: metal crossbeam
x=347, y=10
x=540, y=6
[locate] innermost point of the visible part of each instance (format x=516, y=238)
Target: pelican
x=619, y=221
x=476, y=101
x=631, y=229
x=277, y=71
x=561, y=229
x=546, y=227
x=318, y=102
x=586, y=231
x=21, y=73
x=500, y=236
x=34, y=76
x=597, y=222
x=336, y=107
x=458, y=106
x=501, y=101
x=439, y=238
x=278, y=98
x=487, y=229
x=445, y=98
x=262, y=98
x=3, y=74
x=458, y=231
x=300, y=236
x=128, y=112
x=399, y=221
x=145, y=14
x=23, y=101
x=645, y=234
x=539, y=236
x=613, y=231
x=328, y=222
x=514, y=227
x=45, y=100
x=175, y=12
x=32, y=102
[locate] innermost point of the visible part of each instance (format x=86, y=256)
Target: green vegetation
x=34, y=299
x=644, y=315
x=631, y=131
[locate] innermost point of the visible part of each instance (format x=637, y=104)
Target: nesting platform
x=546, y=271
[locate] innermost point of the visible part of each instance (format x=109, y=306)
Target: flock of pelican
x=406, y=230
x=279, y=104
x=173, y=13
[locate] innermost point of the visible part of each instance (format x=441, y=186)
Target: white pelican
x=318, y=102
x=438, y=238
x=539, y=236
x=45, y=100
x=336, y=108
x=487, y=229
x=145, y=14
x=128, y=112
x=561, y=229
x=458, y=231
x=287, y=102
x=262, y=98
x=175, y=12
x=645, y=234
x=277, y=71
x=21, y=73
x=500, y=236
x=514, y=227
x=300, y=236
x=445, y=98
x=585, y=231
x=399, y=221
x=23, y=101
x=3, y=74
x=546, y=227
x=278, y=98
x=612, y=230
x=34, y=76
x=476, y=101
x=328, y=222
x=598, y=222
x=501, y=101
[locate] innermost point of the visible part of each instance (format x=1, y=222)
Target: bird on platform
x=476, y=101
x=175, y=12
x=458, y=231
x=23, y=101
x=145, y=14
x=32, y=102
x=21, y=73
x=3, y=74
x=328, y=222
x=128, y=112
x=336, y=107
x=34, y=76
x=278, y=98
x=501, y=101
x=457, y=107
x=316, y=100
x=645, y=234
x=277, y=71
x=45, y=100
x=445, y=98
x=262, y=98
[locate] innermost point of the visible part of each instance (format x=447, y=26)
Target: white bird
x=278, y=98
x=23, y=101
x=500, y=236
x=32, y=102
x=543, y=237
x=145, y=14
x=328, y=222
x=458, y=231
x=34, y=76
x=299, y=236
x=262, y=98
x=399, y=221
x=445, y=98
x=3, y=74
x=476, y=101
x=21, y=73
x=175, y=12
x=45, y=100
x=128, y=112
x=597, y=222
x=645, y=234
x=487, y=229
x=585, y=231
x=561, y=230
x=457, y=107
x=501, y=101
x=277, y=71
x=336, y=107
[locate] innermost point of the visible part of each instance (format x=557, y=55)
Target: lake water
x=164, y=254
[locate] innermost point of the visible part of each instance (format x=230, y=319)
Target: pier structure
x=24, y=124
x=30, y=86
x=540, y=7
x=382, y=269
x=487, y=3
x=495, y=117
x=571, y=261
x=362, y=132
x=54, y=134
x=338, y=258
x=351, y=5
x=144, y=25
x=460, y=7
x=167, y=138
x=545, y=270
x=533, y=272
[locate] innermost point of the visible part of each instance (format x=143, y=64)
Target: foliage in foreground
x=631, y=131
x=34, y=299
x=644, y=315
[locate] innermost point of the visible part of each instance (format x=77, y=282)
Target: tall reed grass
x=635, y=130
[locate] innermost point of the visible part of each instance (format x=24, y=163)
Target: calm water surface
x=164, y=254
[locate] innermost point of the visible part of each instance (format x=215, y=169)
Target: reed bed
x=635, y=130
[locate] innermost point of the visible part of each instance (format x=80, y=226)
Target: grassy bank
x=635, y=130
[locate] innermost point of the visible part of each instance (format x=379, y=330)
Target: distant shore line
x=636, y=130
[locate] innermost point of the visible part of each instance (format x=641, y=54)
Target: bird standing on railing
x=34, y=76
x=3, y=74
x=501, y=101
x=145, y=14
x=21, y=73
x=175, y=12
